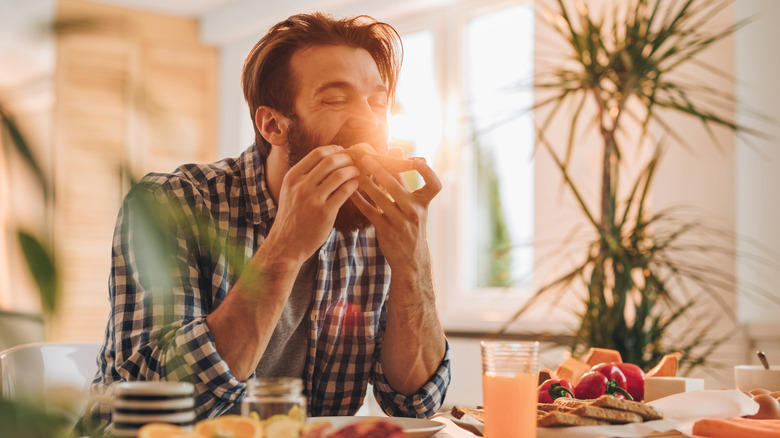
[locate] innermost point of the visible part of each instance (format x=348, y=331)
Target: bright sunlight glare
x=416, y=119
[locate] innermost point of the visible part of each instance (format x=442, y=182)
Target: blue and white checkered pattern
x=207, y=221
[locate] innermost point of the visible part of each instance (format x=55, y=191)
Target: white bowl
x=749, y=377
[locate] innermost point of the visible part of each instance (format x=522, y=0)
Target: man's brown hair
x=266, y=77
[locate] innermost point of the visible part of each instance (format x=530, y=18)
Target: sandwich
x=391, y=164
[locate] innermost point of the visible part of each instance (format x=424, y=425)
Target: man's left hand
x=399, y=214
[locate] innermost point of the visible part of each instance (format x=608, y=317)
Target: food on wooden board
x=564, y=412
x=565, y=419
x=647, y=412
x=605, y=409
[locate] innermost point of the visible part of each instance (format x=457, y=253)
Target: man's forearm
x=242, y=325
x=414, y=343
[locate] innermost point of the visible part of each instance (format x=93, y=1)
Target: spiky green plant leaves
x=637, y=269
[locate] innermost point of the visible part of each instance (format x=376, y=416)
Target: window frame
x=463, y=309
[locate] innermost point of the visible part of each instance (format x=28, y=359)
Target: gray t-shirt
x=285, y=355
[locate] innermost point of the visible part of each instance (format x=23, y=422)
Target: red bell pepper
x=551, y=389
x=602, y=379
x=635, y=380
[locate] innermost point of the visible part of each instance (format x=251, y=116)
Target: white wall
x=758, y=173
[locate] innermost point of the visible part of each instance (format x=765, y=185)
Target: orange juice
x=510, y=405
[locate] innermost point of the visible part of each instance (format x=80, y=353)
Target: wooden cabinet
x=134, y=92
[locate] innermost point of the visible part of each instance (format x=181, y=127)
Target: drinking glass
x=509, y=381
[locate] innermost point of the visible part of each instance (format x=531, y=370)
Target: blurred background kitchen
x=107, y=91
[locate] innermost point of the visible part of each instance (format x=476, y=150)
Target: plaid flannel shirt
x=214, y=218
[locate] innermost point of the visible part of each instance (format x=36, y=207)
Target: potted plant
x=622, y=66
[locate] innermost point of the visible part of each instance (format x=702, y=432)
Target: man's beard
x=301, y=142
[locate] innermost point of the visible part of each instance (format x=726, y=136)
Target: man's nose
x=364, y=117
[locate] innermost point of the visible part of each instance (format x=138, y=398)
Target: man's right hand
x=312, y=193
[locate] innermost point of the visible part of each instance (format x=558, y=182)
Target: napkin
x=456, y=428
x=693, y=405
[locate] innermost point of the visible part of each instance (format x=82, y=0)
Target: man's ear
x=272, y=125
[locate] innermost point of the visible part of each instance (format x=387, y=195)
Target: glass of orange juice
x=509, y=381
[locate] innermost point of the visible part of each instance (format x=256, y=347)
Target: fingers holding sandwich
x=390, y=193
x=398, y=214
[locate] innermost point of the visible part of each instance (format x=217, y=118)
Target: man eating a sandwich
x=306, y=256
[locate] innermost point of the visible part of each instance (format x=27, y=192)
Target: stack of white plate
x=139, y=403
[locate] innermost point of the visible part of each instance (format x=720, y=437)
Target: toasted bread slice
x=550, y=407
x=611, y=415
x=571, y=403
x=644, y=410
x=563, y=419
x=459, y=411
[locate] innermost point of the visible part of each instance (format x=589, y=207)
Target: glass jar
x=269, y=396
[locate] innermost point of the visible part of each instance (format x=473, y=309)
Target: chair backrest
x=56, y=374
x=19, y=328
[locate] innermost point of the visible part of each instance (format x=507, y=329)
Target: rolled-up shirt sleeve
x=160, y=298
x=216, y=386
x=422, y=404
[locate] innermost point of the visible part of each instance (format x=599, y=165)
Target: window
x=463, y=102
x=498, y=65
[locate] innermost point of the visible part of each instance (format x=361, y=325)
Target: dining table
x=682, y=411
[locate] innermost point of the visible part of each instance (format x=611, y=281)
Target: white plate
x=413, y=427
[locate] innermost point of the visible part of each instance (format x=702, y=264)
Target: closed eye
x=335, y=102
x=379, y=103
